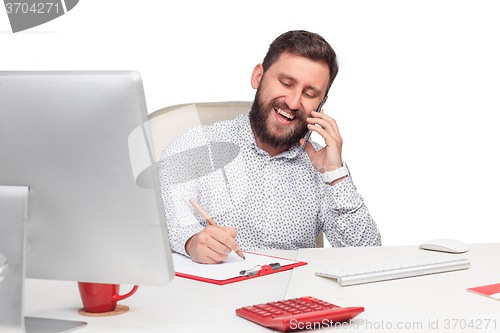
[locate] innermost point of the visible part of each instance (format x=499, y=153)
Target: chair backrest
x=170, y=122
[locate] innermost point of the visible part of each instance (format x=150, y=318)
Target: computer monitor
x=79, y=141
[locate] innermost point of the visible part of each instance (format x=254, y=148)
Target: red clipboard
x=265, y=268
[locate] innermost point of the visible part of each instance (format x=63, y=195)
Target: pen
x=211, y=222
x=308, y=135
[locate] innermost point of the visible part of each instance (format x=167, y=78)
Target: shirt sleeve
x=181, y=222
x=178, y=186
x=346, y=219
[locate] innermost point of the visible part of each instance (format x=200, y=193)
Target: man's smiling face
x=286, y=95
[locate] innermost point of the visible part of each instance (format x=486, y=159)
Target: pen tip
x=241, y=255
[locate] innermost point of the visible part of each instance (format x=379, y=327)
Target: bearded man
x=275, y=194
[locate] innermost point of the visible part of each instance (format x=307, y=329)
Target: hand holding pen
x=213, y=244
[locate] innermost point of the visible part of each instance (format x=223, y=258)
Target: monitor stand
x=13, y=215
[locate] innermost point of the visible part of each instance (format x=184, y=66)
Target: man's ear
x=257, y=73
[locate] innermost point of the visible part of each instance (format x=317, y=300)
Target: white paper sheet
x=228, y=269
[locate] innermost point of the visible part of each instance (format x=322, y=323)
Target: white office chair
x=170, y=122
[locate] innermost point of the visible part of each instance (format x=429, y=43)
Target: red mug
x=101, y=297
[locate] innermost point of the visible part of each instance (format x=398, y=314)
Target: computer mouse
x=445, y=245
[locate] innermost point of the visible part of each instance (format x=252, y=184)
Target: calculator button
x=281, y=315
x=309, y=298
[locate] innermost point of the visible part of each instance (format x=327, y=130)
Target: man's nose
x=293, y=100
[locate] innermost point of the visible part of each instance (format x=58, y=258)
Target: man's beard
x=259, y=115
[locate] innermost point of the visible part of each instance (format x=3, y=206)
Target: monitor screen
x=79, y=141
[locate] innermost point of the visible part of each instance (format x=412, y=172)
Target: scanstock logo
x=26, y=14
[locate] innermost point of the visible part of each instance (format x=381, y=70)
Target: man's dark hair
x=307, y=44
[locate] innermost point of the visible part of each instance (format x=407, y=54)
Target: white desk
x=183, y=305
x=431, y=303
x=191, y=306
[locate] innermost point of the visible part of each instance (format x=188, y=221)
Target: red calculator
x=298, y=313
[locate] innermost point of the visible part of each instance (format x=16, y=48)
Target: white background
x=416, y=98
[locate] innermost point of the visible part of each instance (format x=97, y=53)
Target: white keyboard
x=395, y=270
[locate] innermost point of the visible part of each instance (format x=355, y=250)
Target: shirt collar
x=248, y=138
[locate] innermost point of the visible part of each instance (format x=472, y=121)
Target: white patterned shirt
x=275, y=202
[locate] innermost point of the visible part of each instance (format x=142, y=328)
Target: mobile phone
x=308, y=135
